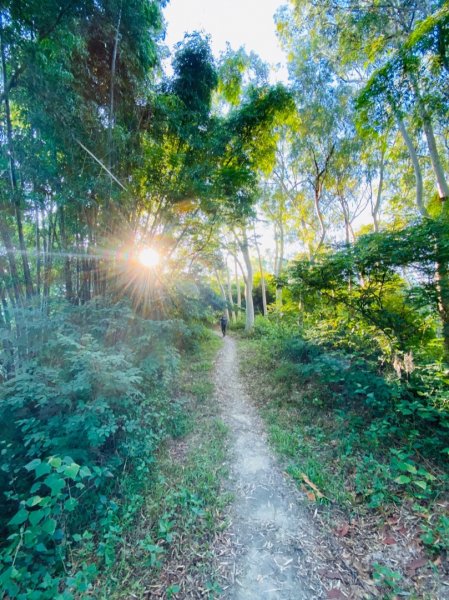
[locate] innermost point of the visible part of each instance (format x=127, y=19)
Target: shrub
x=92, y=404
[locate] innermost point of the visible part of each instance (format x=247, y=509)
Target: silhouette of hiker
x=224, y=324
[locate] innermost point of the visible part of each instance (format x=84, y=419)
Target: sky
x=246, y=23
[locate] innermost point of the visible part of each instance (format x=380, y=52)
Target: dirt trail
x=272, y=535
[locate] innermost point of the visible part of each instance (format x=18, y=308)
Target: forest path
x=272, y=541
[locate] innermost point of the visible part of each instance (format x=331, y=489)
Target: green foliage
x=359, y=290
x=92, y=405
x=365, y=407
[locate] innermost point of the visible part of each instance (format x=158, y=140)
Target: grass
x=299, y=431
x=169, y=548
x=336, y=456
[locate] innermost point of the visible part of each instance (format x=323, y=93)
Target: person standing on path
x=224, y=324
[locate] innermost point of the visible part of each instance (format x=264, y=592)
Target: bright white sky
x=246, y=23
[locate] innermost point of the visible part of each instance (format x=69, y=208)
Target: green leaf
x=33, y=464
x=42, y=469
x=55, y=483
x=421, y=484
x=85, y=472
x=55, y=462
x=407, y=467
x=71, y=471
x=70, y=504
x=36, y=516
x=20, y=517
x=34, y=501
x=402, y=479
x=49, y=526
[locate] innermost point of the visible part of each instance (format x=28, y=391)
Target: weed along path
x=271, y=554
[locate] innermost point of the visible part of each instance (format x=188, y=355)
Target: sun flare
x=149, y=257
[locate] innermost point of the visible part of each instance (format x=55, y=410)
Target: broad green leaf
x=34, y=501
x=402, y=479
x=70, y=504
x=36, y=516
x=85, y=472
x=420, y=483
x=55, y=483
x=49, y=526
x=20, y=517
x=55, y=462
x=42, y=469
x=407, y=467
x=33, y=464
x=71, y=470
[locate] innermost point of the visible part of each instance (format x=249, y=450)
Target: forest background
x=103, y=156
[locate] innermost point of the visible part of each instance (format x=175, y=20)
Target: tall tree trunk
x=376, y=208
x=230, y=298
x=262, y=277
x=223, y=293
x=442, y=185
x=112, y=87
x=279, y=263
x=10, y=251
x=239, y=289
x=244, y=247
x=67, y=259
x=12, y=171
x=38, y=250
x=416, y=167
x=8, y=348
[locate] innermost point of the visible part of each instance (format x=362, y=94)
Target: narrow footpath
x=272, y=539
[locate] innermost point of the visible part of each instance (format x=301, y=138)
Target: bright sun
x=149, y=257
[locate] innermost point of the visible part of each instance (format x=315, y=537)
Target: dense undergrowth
x=169, y=547
x=368, y=437
x=81, y=424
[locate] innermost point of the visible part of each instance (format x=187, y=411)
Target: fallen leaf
x=312, y=485
x=330, y=574
x=416, y=564
x=389, y=541
x=335, y=594
x=343, y=530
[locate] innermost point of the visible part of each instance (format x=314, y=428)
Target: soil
x=271, y=553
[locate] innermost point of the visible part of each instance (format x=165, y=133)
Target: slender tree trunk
x=12, y=171
x=112, y=87
x=377, y=204
x=279, y=265
x=223, y=293
x=244, y=247
x=262, y=277
x=230, y=298
x=239, y=290
x=10, y=251
x=415, y=162
x=38, y=251
x=442, y=185
x=276, y=252
x=7, y=343
x=281, y=247
x=67, y=259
